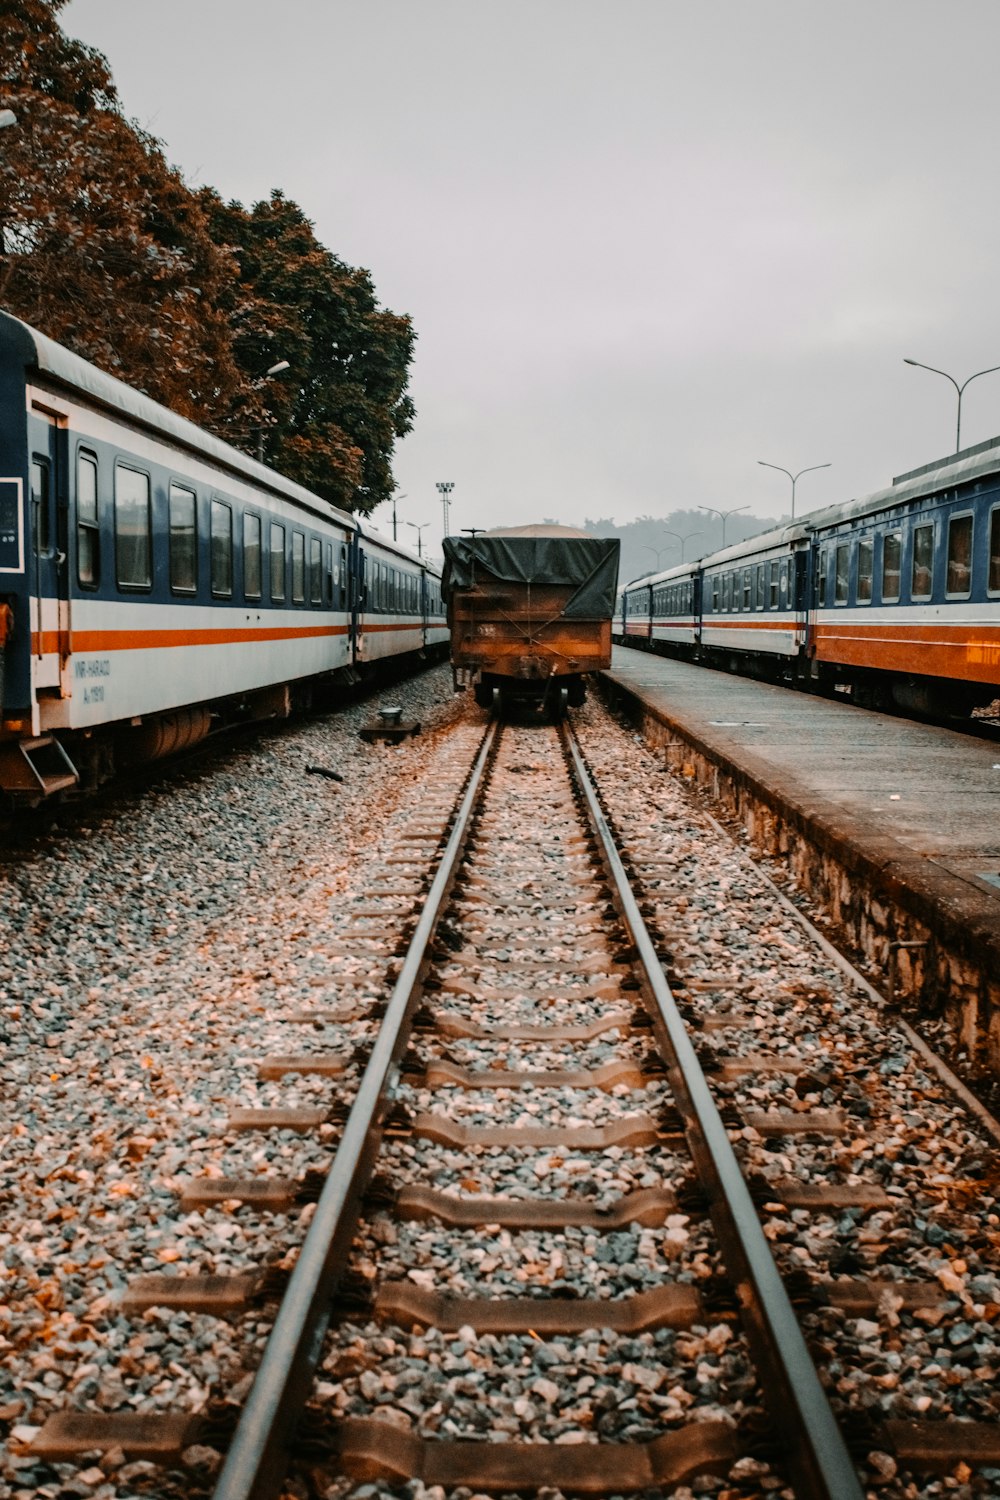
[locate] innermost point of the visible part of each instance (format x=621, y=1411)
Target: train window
x=343, y=575
x=727, y=592
x=298, y=568
x=842, y=573
x=277, y=562
x=221, y=550
x=715, y=593
x=959, y=581
x=330, y=576
x=921, y=572
x=759, y=592
x=866, y=568
x=993, y=572
x=315, y=570
x=252, y=570
x=183, y=541
x=892, y=552
x=40, y=504
x=746, y=588
x=821, y=568
x=133, y=540
x=774, y=585
x=88, y=536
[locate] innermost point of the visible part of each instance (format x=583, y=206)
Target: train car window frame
x=298, y=567
x=182, y=540
x=253, y=547
x=993, y=553
x=343, y=576
x=841, y=573
x=822, y=567
x=921, y=561
x=866, y=569
x=220, y=548
x=773, y=584
x=315, y=570
x=279, y=562
x=88, y=523
x=896, y=538
x=760, y=587
x=329, y=575
x=137, y=579
x=747, y=584
x=955, y=567
x=40, y=475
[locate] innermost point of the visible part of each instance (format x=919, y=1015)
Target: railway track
x=596, y=1307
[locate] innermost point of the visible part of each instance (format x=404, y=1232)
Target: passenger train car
x=155, y=581
x=894, y=597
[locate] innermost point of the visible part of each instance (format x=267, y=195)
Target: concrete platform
x=909, y=813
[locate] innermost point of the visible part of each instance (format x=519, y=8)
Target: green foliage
x=105, y=248
x=330, y=421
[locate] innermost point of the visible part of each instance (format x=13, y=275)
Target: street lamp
x=274, y=370
x=417, y=529
x=394, y=497
x=792, y=477
x=657, y=553
x=444, y=488
x=958, y=388
x=688, y=537
x=724, y=515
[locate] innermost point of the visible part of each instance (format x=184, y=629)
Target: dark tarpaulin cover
x=540, y=554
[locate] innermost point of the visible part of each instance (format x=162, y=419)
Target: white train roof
x=79, y=375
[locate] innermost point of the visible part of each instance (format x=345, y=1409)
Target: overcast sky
x=644, y=243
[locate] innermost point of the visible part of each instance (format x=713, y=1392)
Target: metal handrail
x=257, y=1457
x=820, y=1464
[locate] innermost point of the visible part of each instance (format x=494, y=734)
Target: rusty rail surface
x=257, y=1458
x=821, y=1466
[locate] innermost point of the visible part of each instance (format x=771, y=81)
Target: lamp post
x=274, y=370
x=396, y=497
x=657, y=553
x=792, y=477
x=444, y=488
x=417, y=529
x=959, y=389
x=682, y=539
x=724, y=515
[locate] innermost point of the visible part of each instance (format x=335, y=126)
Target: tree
x=104, y=247
x=331, y=422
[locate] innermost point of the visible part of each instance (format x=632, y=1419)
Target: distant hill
x=647, y=544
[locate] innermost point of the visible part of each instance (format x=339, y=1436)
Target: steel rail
x=258, y=1454
x=820, y=1465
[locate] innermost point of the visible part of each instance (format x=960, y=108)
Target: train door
x=801, y=588
x=422, y=598
x=357, y=597
x=49, y=568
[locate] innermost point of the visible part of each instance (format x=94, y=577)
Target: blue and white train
x=156, y=582
x=894, y=597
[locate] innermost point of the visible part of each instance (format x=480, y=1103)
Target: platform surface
x=935, y=790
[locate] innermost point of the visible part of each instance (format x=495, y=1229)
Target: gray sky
x=644, y=242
